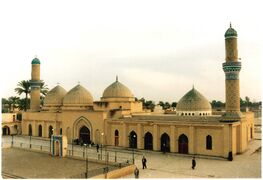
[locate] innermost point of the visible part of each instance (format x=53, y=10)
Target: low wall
x=118, y=173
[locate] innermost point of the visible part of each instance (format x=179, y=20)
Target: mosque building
x=118, y=119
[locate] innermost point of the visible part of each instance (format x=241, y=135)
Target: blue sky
x=159, y=49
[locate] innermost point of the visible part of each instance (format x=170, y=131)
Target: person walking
x=97, y=148
x=144, y=160
x=136, y=173
x=193, y=163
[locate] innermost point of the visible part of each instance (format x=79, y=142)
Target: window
x=209, y=142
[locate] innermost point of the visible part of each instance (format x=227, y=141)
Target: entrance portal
x=84, y=135
x=183, y=144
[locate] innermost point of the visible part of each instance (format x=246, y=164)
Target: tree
x=217, y=104
x=147, y=104
x=13, y=101
x=5, y=105
x=43, y=92
x=167, y=105
x=23, y=88
x=174, y=104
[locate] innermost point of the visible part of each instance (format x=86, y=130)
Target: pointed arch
x=30, y=130
x=78, y=124
x=133, y=139
x=39, y=130
x=165, y=142
x=116, y=138
x=209, y=142
x=183, y=144
x=148, y=141
x=50, y=131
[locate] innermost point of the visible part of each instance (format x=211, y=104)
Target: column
x=124, y=135
x=139, y=136
x=172, y=140
x=226, y=139
x=191, y=140
x=156, y=139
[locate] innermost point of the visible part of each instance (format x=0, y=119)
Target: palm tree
x=43, y=91
x=13, y=101
x=23, y=87
x=5, y=105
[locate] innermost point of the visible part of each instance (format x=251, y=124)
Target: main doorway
x=84, y=135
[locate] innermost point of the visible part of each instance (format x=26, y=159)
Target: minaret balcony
x=232, y=66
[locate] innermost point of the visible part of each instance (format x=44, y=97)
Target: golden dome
x=55, y=96
x=78, y=96
x=193, y=101
x=117, y=90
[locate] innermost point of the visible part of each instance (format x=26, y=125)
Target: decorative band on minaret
x=232, y=68
x=35, y=84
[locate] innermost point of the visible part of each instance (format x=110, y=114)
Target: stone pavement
x=246, y=165
x=28, y=164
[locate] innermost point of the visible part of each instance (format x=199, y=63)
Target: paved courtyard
x=28, y=164
x=246, y=165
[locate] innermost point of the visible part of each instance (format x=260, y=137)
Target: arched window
x=116, y=140
x=30, y=130
x=193, y=114
x=209, y=142
x=60, y=131
x=40, y=131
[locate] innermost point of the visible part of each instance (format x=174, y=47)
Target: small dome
x=193, y=101
x=55, y=96
x=78, y=96
x=117, y=90
x=230, y=32
x=35, y=61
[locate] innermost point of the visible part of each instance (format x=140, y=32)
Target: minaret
x=35, y=84
x=232, y=68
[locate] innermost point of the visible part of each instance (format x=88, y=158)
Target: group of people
x=144, y=160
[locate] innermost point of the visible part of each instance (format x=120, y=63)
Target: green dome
x=193, y=101
x=35, y=61
x=230, y=32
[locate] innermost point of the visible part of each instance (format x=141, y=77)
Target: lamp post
x=133, y=147
x=101, y=144
x=30, y=141
x=52, y=130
